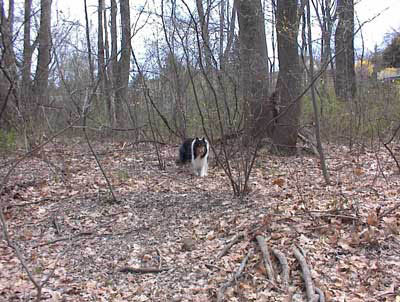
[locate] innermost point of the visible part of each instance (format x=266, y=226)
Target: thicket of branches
x=185, y=68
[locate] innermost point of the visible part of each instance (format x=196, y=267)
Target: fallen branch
x=285, y=267
x=142, y=270
x=63, y=239
x=267, y=258
x=311, y=296
x=234, y=240
x=220, y=294
x=389, y=211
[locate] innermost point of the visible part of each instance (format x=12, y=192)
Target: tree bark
x=344, y=47
x=124, y=61
x=8, y=72
x=288, y=86
x=6, y=30
x=100, y=45
x=89, y=47
x=27, y=52
x=114, y=59
x=44, y=58
x=205, y=35
x=254, y=70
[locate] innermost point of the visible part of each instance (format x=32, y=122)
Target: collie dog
x=195, y=150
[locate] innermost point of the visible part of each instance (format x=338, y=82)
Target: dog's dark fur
x=196, y=151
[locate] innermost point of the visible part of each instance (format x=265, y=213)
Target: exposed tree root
x=234, y=240
x=285, y=267
x=310, y=290
x=267, y=258
x=321, y=294
x=314, y=294
x=235, y=277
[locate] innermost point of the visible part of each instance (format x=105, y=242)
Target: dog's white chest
x=200, y=166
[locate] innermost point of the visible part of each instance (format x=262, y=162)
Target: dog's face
x=200, y=147
x=201, y=150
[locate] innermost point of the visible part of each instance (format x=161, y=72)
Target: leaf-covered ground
x=59, y=214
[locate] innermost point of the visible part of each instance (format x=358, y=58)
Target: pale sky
x=387, y=13
x=386, y=22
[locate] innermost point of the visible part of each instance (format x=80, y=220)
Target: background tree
x=345, y=83
x=391, y=54
x=8, y=75
x=288, y=86
x=123, y=69
x=254, y=69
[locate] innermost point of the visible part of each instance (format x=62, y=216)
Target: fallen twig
x=63, y=239
x=389, y=211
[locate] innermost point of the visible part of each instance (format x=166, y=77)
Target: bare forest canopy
x=181, y=68
x=297, y=201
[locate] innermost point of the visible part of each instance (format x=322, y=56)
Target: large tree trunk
x=44, y=58
x=8, y=71
x=344, y=48
x=114, y=60
x=107, y=70
x=254, y=70
x=124, y=62
x=100, y=46
x=203, y=17
x=288, y=86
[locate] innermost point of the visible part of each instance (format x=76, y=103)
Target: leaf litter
x=163, y=240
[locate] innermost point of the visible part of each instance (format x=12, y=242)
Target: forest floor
x=163, y=240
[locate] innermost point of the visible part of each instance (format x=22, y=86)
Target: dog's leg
x=203, y=171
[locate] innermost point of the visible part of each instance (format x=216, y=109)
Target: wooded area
x=300, y=202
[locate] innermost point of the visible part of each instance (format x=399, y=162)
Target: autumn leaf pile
x=60, y=214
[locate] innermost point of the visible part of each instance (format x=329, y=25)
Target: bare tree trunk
x=6, y=30
x=344, y=47
x=313, y=97
x=288, y=86
x=89, y=47
x=8, y=70
x=114, y=59
x=27, y=53
x=107, y=71
x=173, y=74
x=124, y=61
x=221, y=32
x=41, y=80
x=231, y=33
x=254, y=70
x=325, y=20
x=43, y=63
x=100, y=50
x=205, y=35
